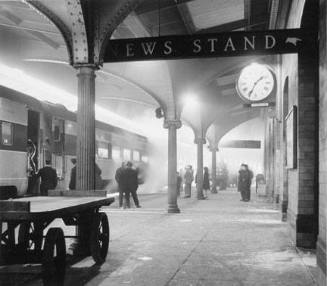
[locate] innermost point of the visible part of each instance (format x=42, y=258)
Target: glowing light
x=20, y=81
x=191, y=102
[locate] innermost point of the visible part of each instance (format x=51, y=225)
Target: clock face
x=255, y=83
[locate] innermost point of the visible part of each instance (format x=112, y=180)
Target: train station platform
x=220, y=241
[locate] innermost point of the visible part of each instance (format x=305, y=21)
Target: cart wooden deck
x=24, y=220
x=45, y=207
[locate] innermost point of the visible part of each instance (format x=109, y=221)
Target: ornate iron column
x=85, y=179
x=172, y=126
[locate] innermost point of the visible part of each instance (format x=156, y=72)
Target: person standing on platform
x=118, y=178
x=248, y=190
x=129, y=183
x=179, y=184
x=188, y=179
x=72, y=182
x=98, y=178
x=244, y=183
x=134, y=183
x=206, y=182
x=49, y=179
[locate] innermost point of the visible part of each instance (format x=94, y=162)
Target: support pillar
x=199, y=183
x=86, y=128
x=214, y=169
x=172, y=126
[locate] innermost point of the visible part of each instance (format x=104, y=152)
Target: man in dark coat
x=244, y=182
x=129, y=184
x=49, y=178
x=98, y=178
x=118, y=178
x=248, y=193
x=179, y=183
x=72, y=182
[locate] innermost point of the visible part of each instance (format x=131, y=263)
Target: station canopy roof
x=33, y=54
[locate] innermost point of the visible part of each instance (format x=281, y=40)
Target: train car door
x=33, y=132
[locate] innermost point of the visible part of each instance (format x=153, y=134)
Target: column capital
x=172, y=123
x=90, y=66
x=213, y=149
x=200, y=140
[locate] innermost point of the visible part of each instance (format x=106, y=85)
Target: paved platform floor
x=220, y=241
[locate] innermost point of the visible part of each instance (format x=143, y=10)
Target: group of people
x=188, y=180
x=127, y=180
x=244, y=182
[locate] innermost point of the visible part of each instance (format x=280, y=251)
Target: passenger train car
x=52, y=129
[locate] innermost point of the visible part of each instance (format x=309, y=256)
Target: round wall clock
x=256, y=82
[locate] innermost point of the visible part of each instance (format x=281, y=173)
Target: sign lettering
x=210, y=45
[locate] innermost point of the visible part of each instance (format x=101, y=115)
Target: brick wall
x=305, y=89
x=321, y=245
x=300, y=73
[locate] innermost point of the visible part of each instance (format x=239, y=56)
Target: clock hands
x=254, y=85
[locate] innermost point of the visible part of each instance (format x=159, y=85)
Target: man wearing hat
x=129, y=184
x=49, y=178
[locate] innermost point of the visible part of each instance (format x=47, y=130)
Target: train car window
x=136, y=156
x=56, y=134
x=127, y=154
x=116, y=153
x=109, y=151
x=102, y=150
x=7, y=137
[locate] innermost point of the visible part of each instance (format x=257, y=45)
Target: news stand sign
x=210, y=45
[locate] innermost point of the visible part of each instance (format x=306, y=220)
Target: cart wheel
x=99, y=239
x=54, y=258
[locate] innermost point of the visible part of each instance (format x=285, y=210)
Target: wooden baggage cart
x=23, y=222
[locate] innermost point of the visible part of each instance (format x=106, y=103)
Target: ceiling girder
x=186, y=16
x=225, y=27
x=152, y=5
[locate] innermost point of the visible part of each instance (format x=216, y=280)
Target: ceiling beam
x=225, y=27
x=232, y=85
x=11, y=17
x=45, y=39
x=228, y=92
x=153, y=5
x=226, y=80
x=247, y=13
x=186, y=16
x=17, y=24
x=136, y=27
